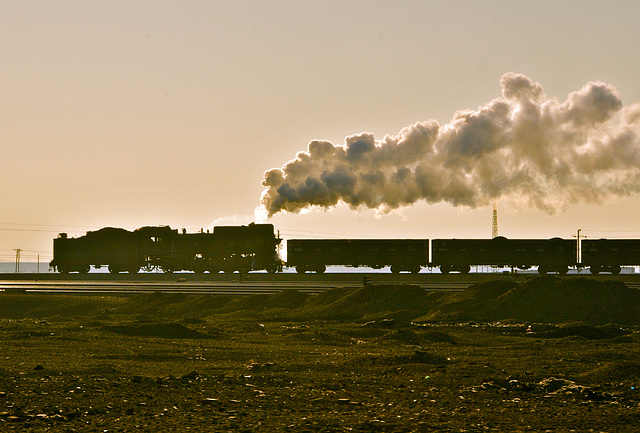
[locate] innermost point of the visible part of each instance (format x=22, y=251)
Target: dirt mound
x=438, y=337
x=155, y=330
x=411, y=337
x=615, y=371
x=553, y=300
x=468, y=304
x=405, y=336
x=557, y=300
x=392, y=301
x=542, y=300
x=174, y=305
x=19, y=306
x=286, y=299
x=325, y=337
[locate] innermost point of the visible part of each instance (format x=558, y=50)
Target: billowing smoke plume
x=522, y=146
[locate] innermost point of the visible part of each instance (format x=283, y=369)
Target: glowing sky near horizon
x=127, y=114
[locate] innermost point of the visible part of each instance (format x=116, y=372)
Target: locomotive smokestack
x=522, y=146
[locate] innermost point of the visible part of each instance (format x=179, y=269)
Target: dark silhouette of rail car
x=117, y=248
x=609, y=255
x=316, y=254
x=549, y=255
x=228, y=249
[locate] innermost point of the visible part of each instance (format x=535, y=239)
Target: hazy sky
x=133, y=113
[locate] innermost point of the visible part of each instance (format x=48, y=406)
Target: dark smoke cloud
x=521, y=146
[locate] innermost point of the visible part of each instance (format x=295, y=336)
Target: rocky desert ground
x=547, y=355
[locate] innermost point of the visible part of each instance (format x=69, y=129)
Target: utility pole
x=18, y=251
x=578, y=247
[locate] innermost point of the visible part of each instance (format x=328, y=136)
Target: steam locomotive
x=255, y=247
x=227, y=249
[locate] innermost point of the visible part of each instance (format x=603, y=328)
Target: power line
x=27, y=250
x=621, y=236
x=47, y=228
x=612, y=231
x=27, y=230
x=44, y=225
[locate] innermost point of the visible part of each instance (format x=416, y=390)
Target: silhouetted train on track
x=255, y=247
x=227, y=249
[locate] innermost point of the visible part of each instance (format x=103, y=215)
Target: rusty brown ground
x=381, y=358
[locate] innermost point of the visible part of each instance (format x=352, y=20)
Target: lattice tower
x=494, y=224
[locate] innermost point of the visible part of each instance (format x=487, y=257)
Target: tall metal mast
x=494, y=224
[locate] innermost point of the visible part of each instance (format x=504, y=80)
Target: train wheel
x=445, y=269
x=543, y=270
x=113, y=269
x=85, y=269
x=465, y=269
x=415, y=269
x=321, y=269
x=395, y=269
x=301, y=269
x=134, y=269
x=595, y=270
x=615, y=270
x=563, y=270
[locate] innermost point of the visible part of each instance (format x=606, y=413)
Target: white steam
x=522, y=146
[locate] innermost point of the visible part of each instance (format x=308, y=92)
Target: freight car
x=450, y=255
x=549, y=255
x=117, y=248
x=227, y=249
x=316, y=254
x=609, y=255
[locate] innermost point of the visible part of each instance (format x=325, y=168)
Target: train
x=399, y=254
x=256, y=247
x=449, y=255
x=548, y=255
x=227, y=249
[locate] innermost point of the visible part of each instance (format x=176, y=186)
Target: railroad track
x=237, y=287
x=199, y=288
